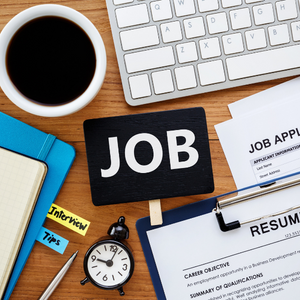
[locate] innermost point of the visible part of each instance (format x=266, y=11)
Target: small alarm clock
x=109, y=263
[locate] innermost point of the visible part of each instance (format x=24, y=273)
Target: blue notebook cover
x=59, y=156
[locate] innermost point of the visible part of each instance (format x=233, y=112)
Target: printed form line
x=238, y=253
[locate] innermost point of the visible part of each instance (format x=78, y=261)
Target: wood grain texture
x=75, y=196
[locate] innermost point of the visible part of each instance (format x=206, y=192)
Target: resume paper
x=196, y=260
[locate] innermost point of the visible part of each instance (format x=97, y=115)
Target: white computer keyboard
x=168, y=49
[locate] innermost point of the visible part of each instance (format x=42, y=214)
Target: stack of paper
x=262, y=141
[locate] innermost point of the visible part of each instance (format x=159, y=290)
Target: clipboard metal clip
x=251, y=194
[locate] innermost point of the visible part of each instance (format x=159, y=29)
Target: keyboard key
x=240, y=18
x=233, y=43
x=279, y=35
x=149, y=59
x=253, y=1
x=208, y=5
x=210, y=48
x=211, y=72
x=118, y=2
x=139, y=86
x=263, y=62
x=184, y=7
x=185, y=78
x=138, y=15
x=296, y=31
x=187, y=52
x=231, y=3
x=217, y=23
x=286, y=10
x=171, y=32
x=162, y=82
x=194, y=27
x=263, y=14
x=256, y=39
x=161, y=10
x=138, y=38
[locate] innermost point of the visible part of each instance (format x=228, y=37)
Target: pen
x=56, y=280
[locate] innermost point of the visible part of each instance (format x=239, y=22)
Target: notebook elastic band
x=46, y=147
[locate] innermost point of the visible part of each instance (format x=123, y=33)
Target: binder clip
x=252, y=193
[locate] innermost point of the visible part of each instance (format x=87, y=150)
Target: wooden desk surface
x=75, y=196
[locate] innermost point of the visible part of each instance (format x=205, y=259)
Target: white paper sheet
x=196, y=260
x=274, y=95
x=264, y=145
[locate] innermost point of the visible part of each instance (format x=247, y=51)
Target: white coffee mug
x=100, y=59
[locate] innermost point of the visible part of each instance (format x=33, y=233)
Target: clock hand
x=114, y=255
x=109, y=262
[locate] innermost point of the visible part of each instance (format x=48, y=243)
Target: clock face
x=109, y=264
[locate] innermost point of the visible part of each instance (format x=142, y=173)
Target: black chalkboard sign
x=148, y=156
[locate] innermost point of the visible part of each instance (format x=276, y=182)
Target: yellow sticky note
x=68, y=219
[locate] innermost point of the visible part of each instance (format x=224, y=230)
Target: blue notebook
x=59, y=156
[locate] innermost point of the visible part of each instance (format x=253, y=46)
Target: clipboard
x=169, y=217
x=206, y=206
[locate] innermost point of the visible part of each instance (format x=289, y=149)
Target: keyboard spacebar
x=149, y=59
x=263, y=62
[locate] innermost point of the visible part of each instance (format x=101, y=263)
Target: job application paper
x=196, y=260
x=263, y=145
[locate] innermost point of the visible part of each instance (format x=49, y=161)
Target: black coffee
x=51, y=60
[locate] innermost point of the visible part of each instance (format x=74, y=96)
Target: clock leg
x=122, y=293
x=84, y=281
